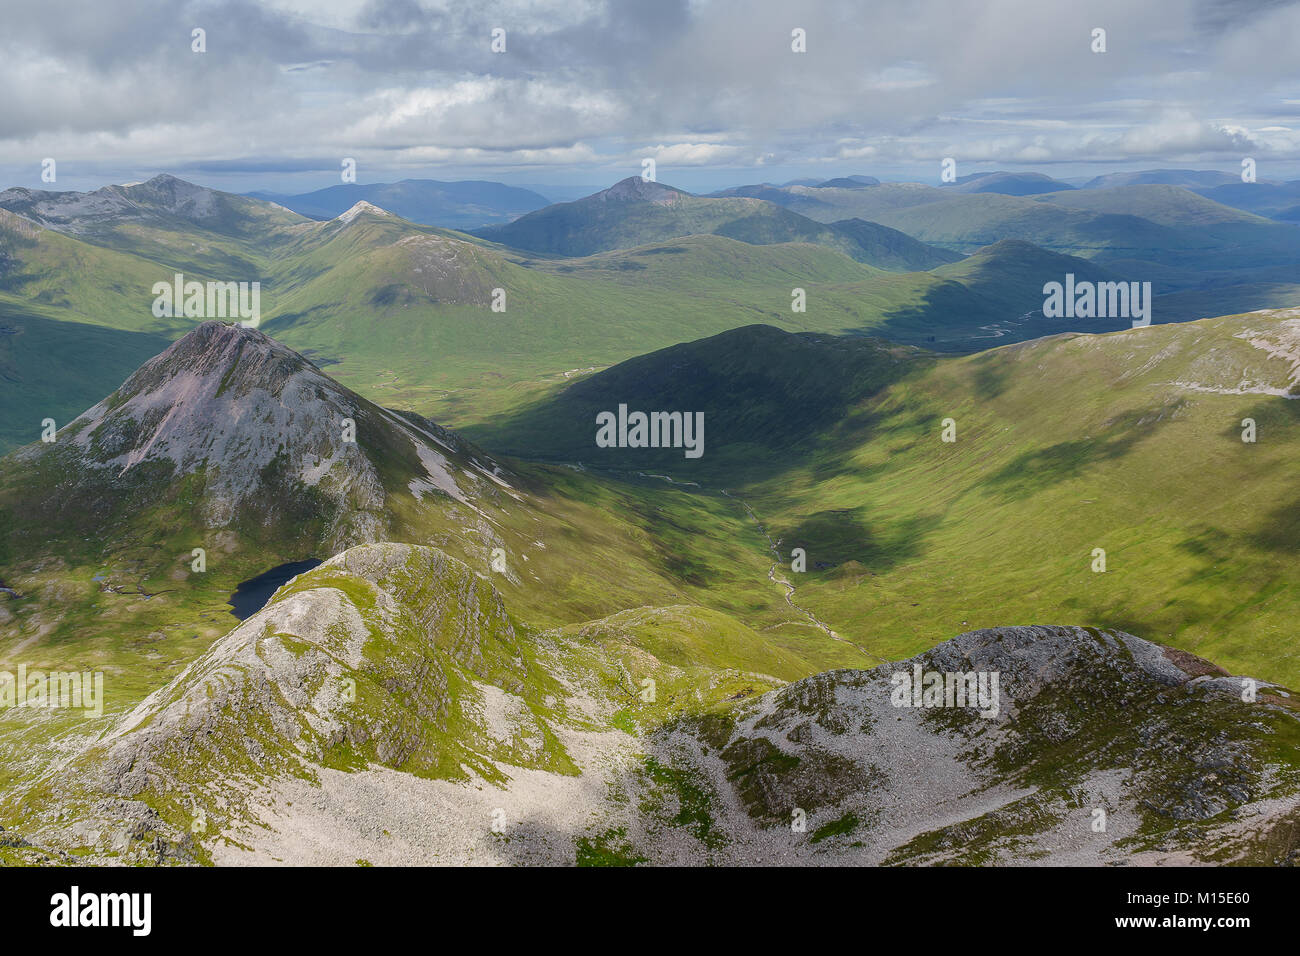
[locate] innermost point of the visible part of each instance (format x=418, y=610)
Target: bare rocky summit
x=637, y=189
x=162, y=198
x=1093, y=729
x=255, y=430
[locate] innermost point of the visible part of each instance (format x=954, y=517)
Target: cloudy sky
x=588, y=88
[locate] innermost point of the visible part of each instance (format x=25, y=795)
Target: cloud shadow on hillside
x=1033, y=471
x=837, y=536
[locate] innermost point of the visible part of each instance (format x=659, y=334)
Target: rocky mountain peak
x=77, y=212
x=243, y=358
x=359, y=208
x=262, y=429
x=636, y=189
x=175, y=196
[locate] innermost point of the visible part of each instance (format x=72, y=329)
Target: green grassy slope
x=75, y=321
x=57, y=369
x=631, y=213
x=1011, y=273
x=1161, y=204
x=65, y=278
x=1066, y=445
x=1129, y=442
x=763, y=393
x=893, y=250
x=411, y=323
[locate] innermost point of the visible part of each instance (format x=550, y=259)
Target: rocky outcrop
x=1078, y=744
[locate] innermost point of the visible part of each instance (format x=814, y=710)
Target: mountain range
x=382, y=301
x=635, y=212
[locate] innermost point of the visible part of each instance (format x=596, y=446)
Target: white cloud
x=693, y=154
x=708, y=82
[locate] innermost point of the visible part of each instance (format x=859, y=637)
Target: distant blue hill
x=467, y=204
x=1190, y=178
x=1008, y=184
